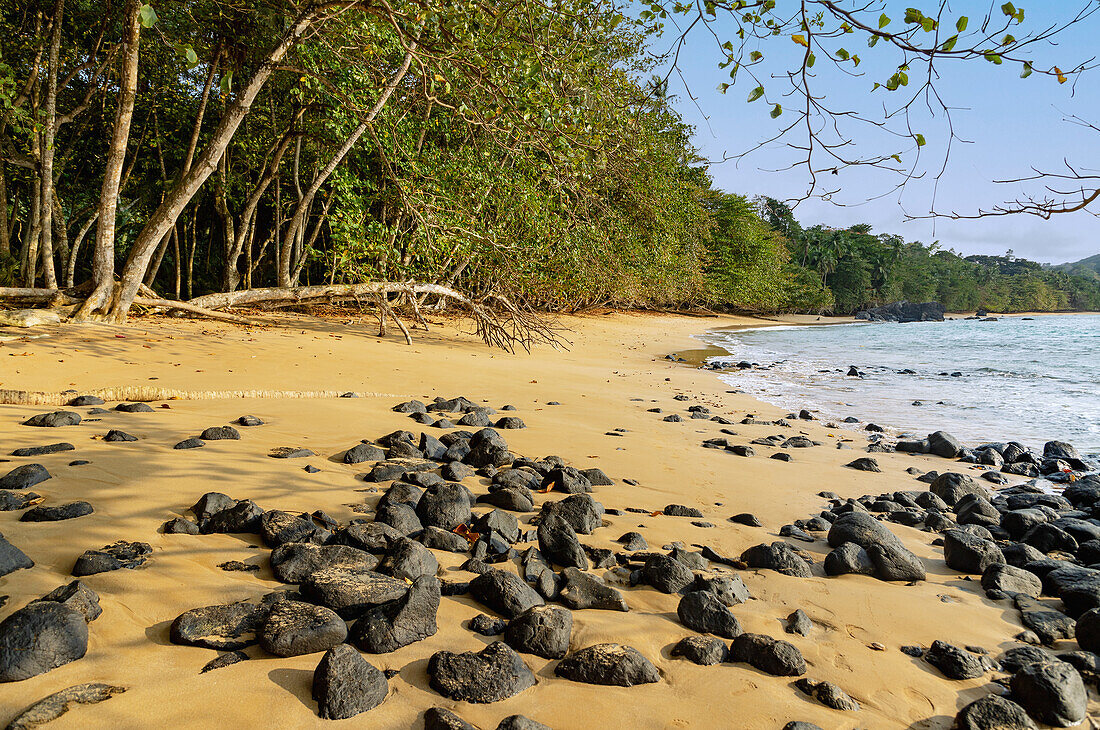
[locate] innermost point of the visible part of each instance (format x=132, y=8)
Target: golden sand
x=614, y=358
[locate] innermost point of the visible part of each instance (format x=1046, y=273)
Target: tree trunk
x=5, y=232
x=297, y=221
x=70, y=270
x=181, y=194
x=46, y=155
x=30, y=235
x=103, y=259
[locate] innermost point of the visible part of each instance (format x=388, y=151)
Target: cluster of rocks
x=1035, y=550
x=1058, y=462
x=904, y=312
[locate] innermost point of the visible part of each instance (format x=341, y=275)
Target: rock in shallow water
x=345, y=684
x=495, y=673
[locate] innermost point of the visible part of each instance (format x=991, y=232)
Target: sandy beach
x=607, y=379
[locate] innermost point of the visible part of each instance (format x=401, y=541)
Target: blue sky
x=1011, y=124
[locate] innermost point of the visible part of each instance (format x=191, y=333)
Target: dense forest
x=180, y=149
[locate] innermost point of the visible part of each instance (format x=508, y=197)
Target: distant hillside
x=1089, y=267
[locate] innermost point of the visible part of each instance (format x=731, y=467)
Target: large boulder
x=968, y=553
x=504, y=592
x=772, y=656
x=294, y=562
x=351, y=592
x=541, y=630
x=993, y=712
x=407, y=559
x=1051, y=692
x=951, y=487
x=666, y=574
x=22, y=477
x=558, y=542
x=293, y=628
x=225, y=627
x=12, y=558
x=39, y=637
x=495, y=673
x=345, y=684
x=953, y=662
x=778, y=556
x=608, y=664
x=702, y=611
x=399, y=623
x=944, y=444
x=580, y=590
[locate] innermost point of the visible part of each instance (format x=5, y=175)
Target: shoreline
x=701, y=357
x=614, y=361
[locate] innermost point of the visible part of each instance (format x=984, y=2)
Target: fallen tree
x=498, y=321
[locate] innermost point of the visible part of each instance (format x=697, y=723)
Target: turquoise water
x=1028, y=381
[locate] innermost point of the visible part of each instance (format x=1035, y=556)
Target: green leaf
x=883, y=21
x=993, y=58
x=810, y=61
x=960, y=25
x=872, y=41
x=1027, y=70
x=776, y=111
x=227, y=83
x=843, y=55
x=1009, y=9
x=1008, y=40
x=722, y=88
x=920, y=140
x=912, y=15
x=756, y=93
x=855, y=60
x=191, y=56
x=147, y=16
x=896, y=157
x=755, y=56
x=949, y=44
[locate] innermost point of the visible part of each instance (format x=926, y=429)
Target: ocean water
x=1018, y=380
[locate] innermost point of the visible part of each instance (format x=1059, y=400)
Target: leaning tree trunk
x=162, y=220
x=103, y=258
x=297, y=221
